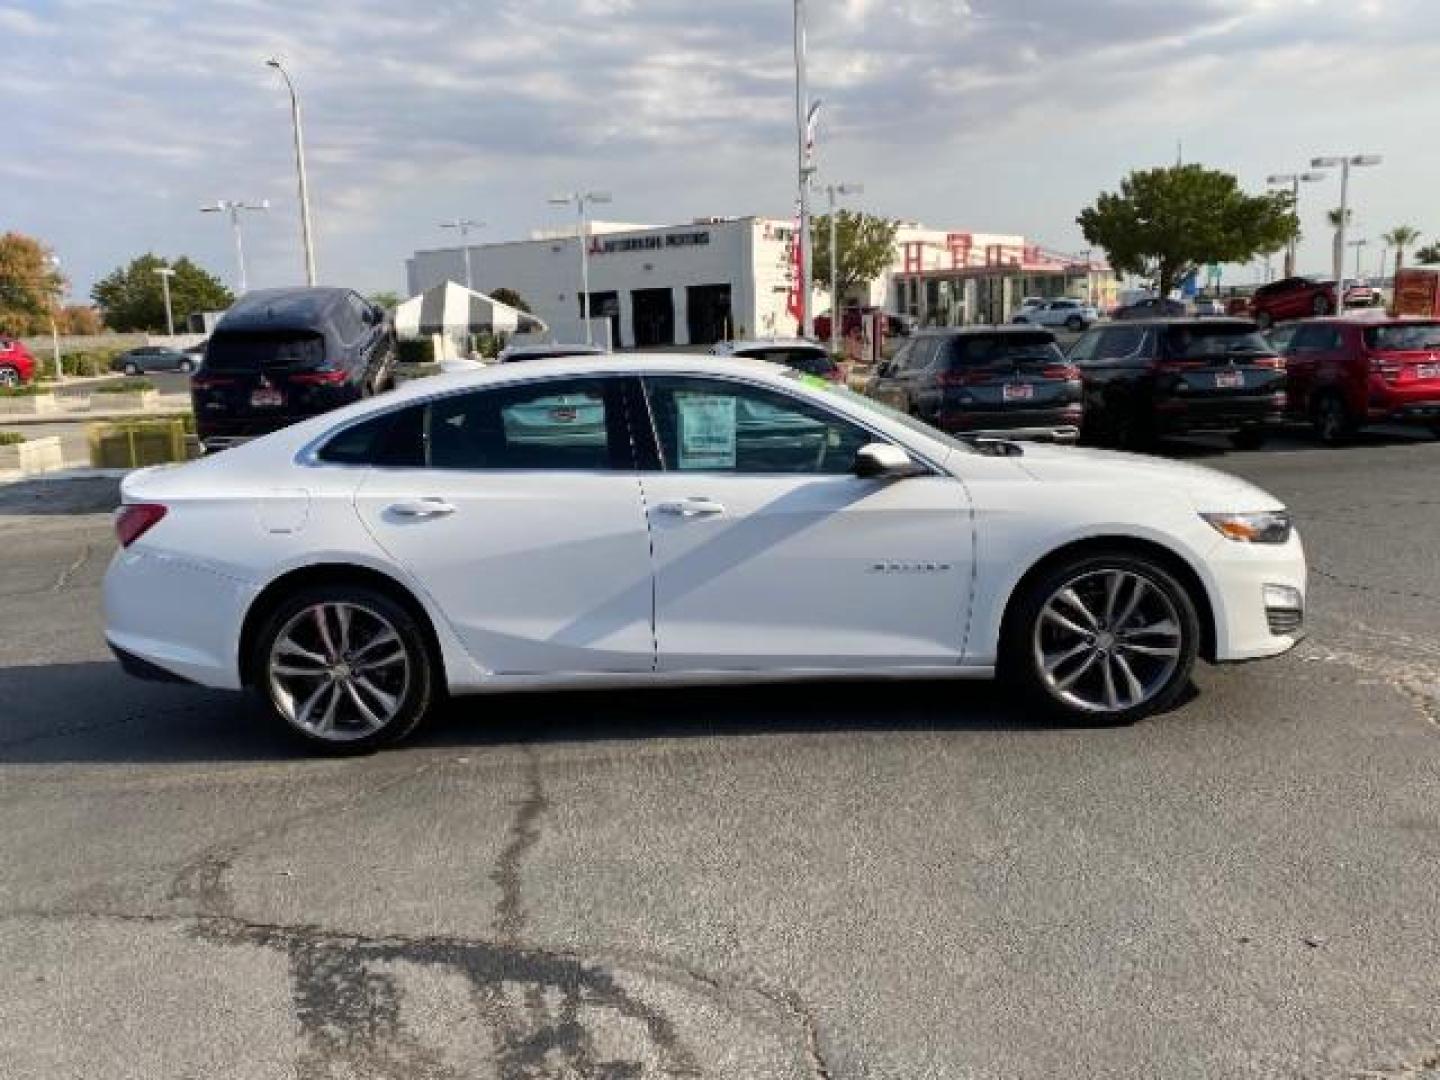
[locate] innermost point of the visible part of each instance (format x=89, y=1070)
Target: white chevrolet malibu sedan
x=627, y=521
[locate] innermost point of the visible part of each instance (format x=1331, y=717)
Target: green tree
x=132, y=298
x=1429, y=255
x=1401, y=237
x=1165, y=223
x=385, y=298
x=29, y=285
x=509, y=296
x=866, y=249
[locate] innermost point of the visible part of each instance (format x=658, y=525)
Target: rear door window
x=553, y=425
x=1121, y=343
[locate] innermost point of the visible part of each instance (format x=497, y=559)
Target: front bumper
x=1248, y=624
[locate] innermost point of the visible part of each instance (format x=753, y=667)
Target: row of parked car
x=1126, y=384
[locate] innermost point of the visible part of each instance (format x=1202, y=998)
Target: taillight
x=209, y=382
x=1274, y=363
x=320, y=378
x=134, y=520
x=1068, y=372
x=1385, y=368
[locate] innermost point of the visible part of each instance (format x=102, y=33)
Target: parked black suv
x=1145, y=379
x=281, y=355
x=1001, y=380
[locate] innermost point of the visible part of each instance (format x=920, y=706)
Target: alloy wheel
x=9, y=377
x=338, y=671
x=1107, y=641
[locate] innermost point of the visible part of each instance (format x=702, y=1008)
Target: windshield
x=1409, y=337
x=1216, y=342
x=1003, y=350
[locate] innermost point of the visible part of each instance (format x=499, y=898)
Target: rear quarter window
x=394, y=440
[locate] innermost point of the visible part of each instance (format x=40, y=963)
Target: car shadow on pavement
x=94, y=713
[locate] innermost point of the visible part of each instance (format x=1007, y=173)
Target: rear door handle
x=422, y=508
x=693, y=507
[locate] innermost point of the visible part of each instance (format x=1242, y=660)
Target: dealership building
x=717, y=278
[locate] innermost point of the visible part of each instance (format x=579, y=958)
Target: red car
x=16, y=364
x=1292, y=298
x=1345, y=373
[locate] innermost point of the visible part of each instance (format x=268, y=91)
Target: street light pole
x=582, y=200
x=1294, y=180
x=233, y=208
x=1344, y=162
x=464, y=225
x=305, y=233
x=54, y=329
x=1359, y=246
x=805, y=115
x=165, y=275
x=832, y=190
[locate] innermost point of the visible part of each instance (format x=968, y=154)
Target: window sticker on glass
x=706, y=431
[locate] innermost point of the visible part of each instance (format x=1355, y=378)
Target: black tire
x=1264, y=320
x=1332, y=420
x=1021, y=664
x=415, y=698
x=1074, y=322
x=130, y=368
x=186, y=367
x=1320, y=306
x=9, y=376
x=1250, y=437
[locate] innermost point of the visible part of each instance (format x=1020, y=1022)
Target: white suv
x=1071, y=314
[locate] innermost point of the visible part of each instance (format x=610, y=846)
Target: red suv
x=1345, y=373
x=16, y=364
x=1292, y=298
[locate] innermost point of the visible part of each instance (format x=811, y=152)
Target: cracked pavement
x=799, y=882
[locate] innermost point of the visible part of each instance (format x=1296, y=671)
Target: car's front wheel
x=1074, y=322
x=346, y=668
x=186, y=367
x=9, y=377
x=1102, y=638
x=131, y=368
x=1264, y=320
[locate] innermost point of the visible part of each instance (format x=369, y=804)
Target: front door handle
x=422, y=508
x=697, y=506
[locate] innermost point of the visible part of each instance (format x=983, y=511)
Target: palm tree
x=1401, y=237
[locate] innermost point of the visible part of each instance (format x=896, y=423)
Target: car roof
x=553, y=348
x=1005, y=329
x=282, y=309
x=768, y=343
x=1184, y=320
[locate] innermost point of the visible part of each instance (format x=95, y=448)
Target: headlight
x=1267, y=527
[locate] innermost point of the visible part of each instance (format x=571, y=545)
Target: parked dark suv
x=1170, y=376
x=1011, y=381
x=281, y=355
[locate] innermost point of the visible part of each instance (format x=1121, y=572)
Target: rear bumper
x=1196, y=414
x=1412, y=412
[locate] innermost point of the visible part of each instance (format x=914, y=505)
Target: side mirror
x=882, y=461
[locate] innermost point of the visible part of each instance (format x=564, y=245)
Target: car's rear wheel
x=9, y=376
x=1320, y=306
x=1074, y=322
x=345, y=668
x=1102, y=638
x=1264, y=320
x=1333, y=423
x=186, y=367
x=1249, y=437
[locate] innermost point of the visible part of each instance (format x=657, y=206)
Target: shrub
x=88, y=361
x=31, y=390
x=129, y=386
x=11, y=438
x=415, y=352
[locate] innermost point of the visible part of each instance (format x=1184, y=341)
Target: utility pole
x=233, y=208
x=306, y=236
x=832, y=190
x=165, y=275
x=582, y=200
x=1344, y=162
x=1294, y=180
x=464, y=225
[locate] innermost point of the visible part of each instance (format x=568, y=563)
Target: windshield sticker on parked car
x=706, y=435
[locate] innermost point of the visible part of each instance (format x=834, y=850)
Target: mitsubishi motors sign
x=603, y=245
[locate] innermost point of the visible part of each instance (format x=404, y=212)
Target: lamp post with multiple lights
x=233, y=207
x=463, y=226
x=306, y=235
x=1293, y=180
x=583, y=200
x=1344, y=162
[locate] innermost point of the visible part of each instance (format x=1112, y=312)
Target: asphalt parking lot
x=807, y=882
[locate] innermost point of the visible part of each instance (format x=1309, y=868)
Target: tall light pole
x=1344, y=162
x=582, y=200
x=165, y=275
x=1359, y=246
x=233, y=208
x=464, y=225
x=54, y=263
x=805, y=116
x=832, y=190
x=1294, y=180
x=305, y=234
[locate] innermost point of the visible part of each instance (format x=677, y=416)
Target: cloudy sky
x=122, y=118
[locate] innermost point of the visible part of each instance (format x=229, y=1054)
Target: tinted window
x=251, y=351
x=923, y=354
x=1119, y=342
x=1315, y=337
x=714, y=425
x=1409, y=337
x=1001, y=350
x=1084, y=349
x=550, y=425
x=805, y=361
x=1215, y=342
x=898, y=362
x=396, y=439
